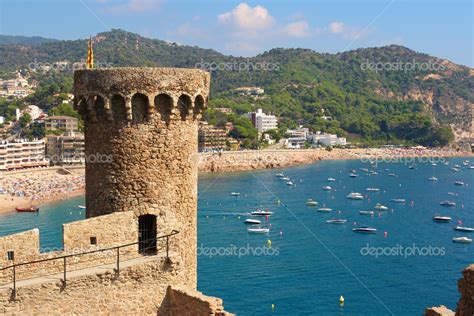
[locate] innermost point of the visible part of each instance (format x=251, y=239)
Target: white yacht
x=355, y=196
x=327, y=188
x=448, y=203
x=331, y=179
x=258, y=230
x=398, y=200
x=442, y=219
x=353, y=175
x=259, y=212
x=372, y=189
x=380, y=207
x=464, y=229
x=289, y=183
x=279, y=175
x=235, y=193
x=366, y=212
x=324, y=209
x=311, y=202
x=365, y=230
x=433, y=179
x=336, y=221
x=251, y=221
x=463, y=240
x=459, y=183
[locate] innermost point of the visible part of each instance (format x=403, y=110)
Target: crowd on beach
x=39, y=187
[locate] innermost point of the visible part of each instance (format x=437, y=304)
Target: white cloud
x=297, y=29
x=131, y=6
x=337, y=27
x=244, y=17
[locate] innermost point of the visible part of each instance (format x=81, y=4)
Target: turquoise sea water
x=311, y=263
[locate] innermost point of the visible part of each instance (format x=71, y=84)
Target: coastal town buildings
x=327, y=139
x=298, y=138
x=211, y=138
x=249, y=91
x=21, y=154
x=262, y=122
x=61, y=123
x=66, y=149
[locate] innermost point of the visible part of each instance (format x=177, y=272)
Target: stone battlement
x=138, y=95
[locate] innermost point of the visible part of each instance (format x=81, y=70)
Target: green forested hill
x=386, y=93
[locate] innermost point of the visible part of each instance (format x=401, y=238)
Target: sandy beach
x=41, y=186
x=38, y=187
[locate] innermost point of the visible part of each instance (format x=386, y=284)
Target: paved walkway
x=81, y=272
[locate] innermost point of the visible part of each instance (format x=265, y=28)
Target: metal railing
x=64, y=257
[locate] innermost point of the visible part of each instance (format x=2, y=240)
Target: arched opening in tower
x=198, y=106
x=139, y=108
x=118, y=108
x=164, y=105
x=184, y=105
x=99, y=106
x=147, y=234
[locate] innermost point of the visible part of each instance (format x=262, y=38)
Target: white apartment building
x=20, y=154
x=262, y=121
x=327, y=139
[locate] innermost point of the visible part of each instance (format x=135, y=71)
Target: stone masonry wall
x=24, y=245
x=466, y=288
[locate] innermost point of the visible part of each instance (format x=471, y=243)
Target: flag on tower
x=90, y=55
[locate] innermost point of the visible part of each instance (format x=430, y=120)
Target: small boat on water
x=279, y=175
x=455, y=169
x=250, y=221
x=432, y=179
x=457, y=166
x=374, y=173
x=463, y=240
x=442, y=219
x=336, y=221
x=353, y=175
x=464, y=229
x=331, y=179
x=365, y=230
x=286, y=179
x=380, y=207
x=235, y=193
x=398, y=200
x=434, y=164
x=459, y=183
x=448, y=203
x=391, y=174
x=27, y=209
x=372, y=189
x=355, y=196
x=324, y=209
x=327, y=188
x=311, y=202
x=411, y=167
x=258, y=230
x=81, y=207
x=366, y=212
x=289, y=183
x=259, y=212
x=364, y=169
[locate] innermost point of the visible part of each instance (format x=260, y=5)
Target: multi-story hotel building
x=21, y=154
x=211, y=137
x=67, y=149
x=64, y=123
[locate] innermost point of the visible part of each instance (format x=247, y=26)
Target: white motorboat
x=471, y=167
x=355, y=196
x=464, y=229
x=327, y=188
x=391, y=174
x=442, y=219
x=459, y=183
x=398, y=200
x=289, y=183
x=380, y=207
x=372, y=189
x=279, y=175
x=433, y=179
x=455, y=169
x=336, y=221
x=364, y=169
x=353, y=175
x=235, y=193
x=457, y=166
x=463, y=240
x=448, y=203
x=310, y=202
x=258, y=230
x=324, y=209
x=433, y=164
x=259, y=212
x=374, y=173
x=286, y=179
x=331, y=179
x=366, y=212
x=250, y=221
x=365, y=230
x=82, y=207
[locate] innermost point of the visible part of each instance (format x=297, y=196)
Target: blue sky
x=443, y=28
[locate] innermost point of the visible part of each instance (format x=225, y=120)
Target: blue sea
x=304, y=265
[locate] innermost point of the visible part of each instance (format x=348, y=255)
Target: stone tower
x=141, y=148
